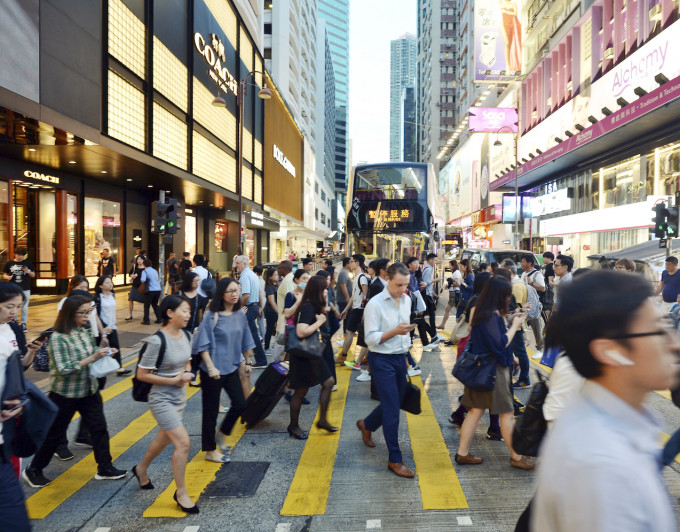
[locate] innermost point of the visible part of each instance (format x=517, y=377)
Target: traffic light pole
x=161, y=250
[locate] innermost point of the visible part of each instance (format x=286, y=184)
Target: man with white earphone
x=600, y=463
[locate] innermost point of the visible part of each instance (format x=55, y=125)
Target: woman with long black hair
x=225, y=345
x=489, y=335
x=305, y=373
x=105, y=303
x=466, y=286
x=198, y=303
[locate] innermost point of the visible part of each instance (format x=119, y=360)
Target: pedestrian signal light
x=659, y=220
x=672, y=222
x=172, y=216
x=162, y=211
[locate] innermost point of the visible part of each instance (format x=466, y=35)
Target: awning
x=639, y=253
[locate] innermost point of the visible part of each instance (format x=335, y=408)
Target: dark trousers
x=431, y=308
x=91, y=409
x=210, y=401
x=151, y=300
x=341, y=305
x=329, y=358
x=423, y=330
x=113, y=342
x=520, y=351
x=389, y=374
x=251, y=316
x=271, y=317
x=13, y=516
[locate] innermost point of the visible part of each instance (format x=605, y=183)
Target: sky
x=373, y=24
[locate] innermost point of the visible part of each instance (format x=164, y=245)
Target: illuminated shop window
x=247, y=145
x=258, y=155
x=126, y=112
x=219, y=121
x=169, y=75
x=126, y=37
x=213, y=164
x=247, y=188
x=225, y=17
x=169, y=137
x=258, y=189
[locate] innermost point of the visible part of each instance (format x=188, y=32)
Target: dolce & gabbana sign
x=214, y=55
x=283, y=161
x=41, y=177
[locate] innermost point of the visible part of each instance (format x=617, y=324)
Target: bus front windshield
x=390, y=183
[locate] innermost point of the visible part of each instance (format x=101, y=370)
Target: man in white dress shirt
x=387, y=333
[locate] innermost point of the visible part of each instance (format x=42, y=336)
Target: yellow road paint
x=440, y=488
x=47, y=499
x=664, y=438
x=308, y=493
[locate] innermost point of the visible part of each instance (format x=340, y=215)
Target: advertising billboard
x=493, y=119
x=498, y=40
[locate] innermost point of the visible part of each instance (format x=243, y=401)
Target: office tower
x=402, y=75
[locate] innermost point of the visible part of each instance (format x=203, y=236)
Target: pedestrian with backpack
x=225, y=345
x=535, y=282
x=206, y=286
x=165, y=364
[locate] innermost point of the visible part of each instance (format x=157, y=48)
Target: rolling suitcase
x=269, y=389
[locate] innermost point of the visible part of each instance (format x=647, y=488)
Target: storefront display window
x=71, y=227
x=102, y=221
x=622, y=184
x=665, y=167
x=47, y=234
x=221, y=229
x=249, y=250
x=190, y=234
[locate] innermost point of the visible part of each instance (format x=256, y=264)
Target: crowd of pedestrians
x=613, y=345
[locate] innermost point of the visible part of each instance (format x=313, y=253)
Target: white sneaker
x=340, y=342
x=413, y=371
x=537, y=354
x=437, y=339
x=334, y=388
x=364, y=377
x=430, y=346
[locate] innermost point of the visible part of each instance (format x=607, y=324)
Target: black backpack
x=140, y=390
x=208, y=286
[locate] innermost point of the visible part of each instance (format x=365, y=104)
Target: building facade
x=407, y=144
x=103, y=107
x=402, y=75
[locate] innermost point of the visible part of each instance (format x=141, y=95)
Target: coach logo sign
x=214, y=55
x=41, y=177
x=283, y=161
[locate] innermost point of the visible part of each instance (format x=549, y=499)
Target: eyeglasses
x=667, y=329
x=232, y=292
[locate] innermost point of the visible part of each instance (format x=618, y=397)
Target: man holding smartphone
x=387, y=333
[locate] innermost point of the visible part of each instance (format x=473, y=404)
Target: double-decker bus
x=392, y=209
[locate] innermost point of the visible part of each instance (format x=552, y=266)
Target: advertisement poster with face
x=498, y=40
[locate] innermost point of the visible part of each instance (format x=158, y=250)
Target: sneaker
x=108, y=472
x=416, y=335
x=259, y=367
x=365, y=376
x=521, y=384
x=34, y=478
x=537, y=355
x=457, y=419
x=413, y=371
x=430, y=346
x=340, y=342
x=518, y=407
x=439, y=338
x=335, y=388
x=63, y=453
x=82, y=442
x=195, y=384
x=353, y=365
x=493, y=435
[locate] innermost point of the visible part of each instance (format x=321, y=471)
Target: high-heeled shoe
x=302, y=436
x=328, y=428
x=147, y=486
x=192, y=510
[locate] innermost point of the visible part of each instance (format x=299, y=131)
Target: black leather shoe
x=301, y=436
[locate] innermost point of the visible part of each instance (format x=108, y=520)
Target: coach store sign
x=41, y=177
x=213, y=53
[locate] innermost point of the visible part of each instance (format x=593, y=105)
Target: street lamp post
x=518, y=204
x=265, y=94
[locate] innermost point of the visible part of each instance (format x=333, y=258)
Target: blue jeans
x=410, y=359
x=388, y=373
x=13, y=515
x=251, y=316
x=520, y=351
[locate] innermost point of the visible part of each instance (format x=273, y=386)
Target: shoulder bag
x=311, y=347
x=143, y=287
x=15, y=388
x=461, y=329
x=411, y=401
x=530, y=427
x=477, y=372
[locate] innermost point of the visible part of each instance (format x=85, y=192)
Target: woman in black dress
x=305, y=373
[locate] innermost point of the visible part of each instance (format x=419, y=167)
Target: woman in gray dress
x=168, y=395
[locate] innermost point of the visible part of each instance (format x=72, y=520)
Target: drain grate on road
x=237, y=480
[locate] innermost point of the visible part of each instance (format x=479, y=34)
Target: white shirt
x=565, y=386
x=357, y=292
x=8, y=344
x=202, y=274
x=457, y=277
x=534, y=277
x=383, y=313
x=108, y=310
x=600, y=470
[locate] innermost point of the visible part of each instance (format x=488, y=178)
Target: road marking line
x=373, y=523
x=440, y=488
x=198, y=475
x=283, y=527
x=191, y=528
x=102, y=529
x=464, y=521
x=47, y=499
x=308, y=492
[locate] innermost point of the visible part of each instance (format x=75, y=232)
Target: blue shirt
x=225, y=341
x=600, y=470
x=250, y=284
x=428, y=271
x=467, y=292
x=671, y=286
x=152, y=275
x=491, y=337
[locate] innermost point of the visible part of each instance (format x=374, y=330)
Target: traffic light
x=659, y=220
x=162, y=212
x=672, y=221
x=172, y=215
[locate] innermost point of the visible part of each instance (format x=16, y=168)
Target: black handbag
x=530, y=427
x=311, y=347
x=15, y=388
x=411, y=401
x=477, y=372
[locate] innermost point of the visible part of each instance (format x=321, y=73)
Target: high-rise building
x=436, y=77
x=402, y=75
x=336, y=15
x=408, y=120
x=325, y=108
